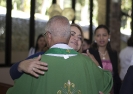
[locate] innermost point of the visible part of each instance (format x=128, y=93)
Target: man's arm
x=27, y=66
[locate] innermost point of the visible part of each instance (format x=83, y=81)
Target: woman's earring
x=95, y=41
x=108, y=40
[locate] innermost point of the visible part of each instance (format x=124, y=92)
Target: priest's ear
x=48, y=35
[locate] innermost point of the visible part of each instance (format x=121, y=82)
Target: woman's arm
x=27, y=66
x=91, y=57
x=14, y=73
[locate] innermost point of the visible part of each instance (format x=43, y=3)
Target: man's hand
x=33, y=66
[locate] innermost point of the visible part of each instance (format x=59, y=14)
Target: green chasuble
x=68, y=72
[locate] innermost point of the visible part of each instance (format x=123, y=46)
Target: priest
x=69, y=71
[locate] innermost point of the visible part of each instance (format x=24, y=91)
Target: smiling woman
x=76, y=38
x=105, y=55
x=40, y=45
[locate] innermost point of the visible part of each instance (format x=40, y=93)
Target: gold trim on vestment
x=68, y=50
x=69, y=88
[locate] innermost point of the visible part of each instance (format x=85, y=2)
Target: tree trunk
x=101, y=11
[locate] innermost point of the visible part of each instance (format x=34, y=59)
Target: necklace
x=103, y=55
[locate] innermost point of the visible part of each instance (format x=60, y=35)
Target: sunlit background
x=44, y=9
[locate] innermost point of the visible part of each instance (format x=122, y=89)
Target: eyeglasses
x=46, y=33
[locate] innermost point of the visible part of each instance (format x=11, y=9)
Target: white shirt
x=31, y=51
x=126, y=59
x=131, y=60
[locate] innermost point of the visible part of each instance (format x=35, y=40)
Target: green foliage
x=3, y=3
x=22, y=5
x=38, y=6
x=19, y=3
x=82, y=2
x=126, y=5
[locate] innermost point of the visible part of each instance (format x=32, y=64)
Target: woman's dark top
x=114, y=60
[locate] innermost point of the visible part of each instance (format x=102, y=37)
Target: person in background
x=86, y=44
x=126, y=57
x=39, y=47
x=104, y=55
x=68, y=65
x=127, y=84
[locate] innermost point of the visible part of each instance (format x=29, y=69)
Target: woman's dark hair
x=94, y=45
x=36, y=46
x=130, y=41
x=88, y=41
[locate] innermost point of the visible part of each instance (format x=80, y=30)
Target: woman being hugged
x=105, y=55
x=27, y=66
x=34, y=66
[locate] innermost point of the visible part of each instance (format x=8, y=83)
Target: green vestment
x=66, y=75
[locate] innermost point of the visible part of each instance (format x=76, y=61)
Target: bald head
x=59, y=28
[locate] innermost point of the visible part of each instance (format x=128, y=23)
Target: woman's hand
x=100, y=92
x=33, y=66
x=92, y=57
